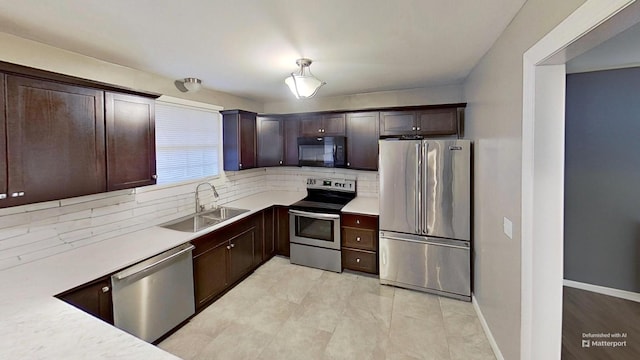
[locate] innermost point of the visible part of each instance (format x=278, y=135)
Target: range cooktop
x=326, y=195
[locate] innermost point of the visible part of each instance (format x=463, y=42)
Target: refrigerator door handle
x=424, y=174
x=418, y=201
x=427, y=242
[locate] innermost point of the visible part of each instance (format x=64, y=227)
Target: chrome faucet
x=200, y=208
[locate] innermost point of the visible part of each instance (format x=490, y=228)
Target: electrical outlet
x=507, y=227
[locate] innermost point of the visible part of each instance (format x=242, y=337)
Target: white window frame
x=189, y=104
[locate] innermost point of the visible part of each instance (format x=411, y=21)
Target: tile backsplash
x=36, y=231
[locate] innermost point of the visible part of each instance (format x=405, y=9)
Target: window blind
x=187, y=143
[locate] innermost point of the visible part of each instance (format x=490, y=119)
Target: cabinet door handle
x=322, y=130
x=228, y=247
x=357, y=221
x=348, y=164
x=358, y=260
x=358, y=239
x=418, y=128
x=17, y=194
x=240, y=166
x=413, y=128
x=319, y=130
x=3, y=196
x=280, y=162
x=233, y=245
x=154, y=176
x=105, y=289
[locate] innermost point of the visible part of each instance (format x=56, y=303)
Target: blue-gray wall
x=602, y=179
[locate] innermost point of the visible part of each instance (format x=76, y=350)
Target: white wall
x=25, y=52
x=423, y=96
x=493, y=92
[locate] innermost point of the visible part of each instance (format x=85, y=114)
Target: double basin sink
x=202, y=220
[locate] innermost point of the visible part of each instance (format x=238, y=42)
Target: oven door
x=314, y=229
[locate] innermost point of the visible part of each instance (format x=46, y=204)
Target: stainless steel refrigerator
x=425, y=215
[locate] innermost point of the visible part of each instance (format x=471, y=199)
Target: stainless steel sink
x=203, y=220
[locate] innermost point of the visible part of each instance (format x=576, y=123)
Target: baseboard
x=487, y=331
x=623, y=294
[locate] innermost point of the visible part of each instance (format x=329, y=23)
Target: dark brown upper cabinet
x=394, y=123
x=438, y=121
x=424, y=122
x=239, y=138
x=270, y=141
x=62, y=136
x=55, y=141
x=277, y=140
x=3, y=145
x=322, y=125
x=291, y=127
x=363, y=131
x=131, y=146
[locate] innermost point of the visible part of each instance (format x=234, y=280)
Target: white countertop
x=35, y=325
x=362, y=205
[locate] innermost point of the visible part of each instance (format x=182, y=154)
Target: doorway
x=543, y=142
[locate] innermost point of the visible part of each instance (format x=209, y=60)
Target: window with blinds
x=188, y=142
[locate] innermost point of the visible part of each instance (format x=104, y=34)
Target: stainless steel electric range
x=314, y=225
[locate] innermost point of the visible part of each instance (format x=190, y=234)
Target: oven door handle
x=314, y=215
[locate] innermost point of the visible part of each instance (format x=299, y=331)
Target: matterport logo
x=612, y=340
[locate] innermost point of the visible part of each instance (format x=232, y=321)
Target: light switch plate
x=507, y=227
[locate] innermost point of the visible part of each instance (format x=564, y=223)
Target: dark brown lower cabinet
x=241, y=253
x=93, y=298
x=360, y=242
x=223, y=257
x=210, y=273
x=282, y=230
x=269, y=227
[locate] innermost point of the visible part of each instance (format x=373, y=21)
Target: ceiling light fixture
x=189, y=84
x=303, y=84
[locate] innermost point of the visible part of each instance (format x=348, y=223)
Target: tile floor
x=285, y=311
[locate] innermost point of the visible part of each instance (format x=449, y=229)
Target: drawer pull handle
x=228, y=247
x=358, y=221
x=358, y=239
x=105, y=289
x=358, y=260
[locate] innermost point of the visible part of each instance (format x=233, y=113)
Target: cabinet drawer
x=360, y=260
x=206, y=243
x=364, y=239
x=360, y=221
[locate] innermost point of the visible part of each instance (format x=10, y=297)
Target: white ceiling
x=247, y=47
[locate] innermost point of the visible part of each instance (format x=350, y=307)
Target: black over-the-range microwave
x=325, y=151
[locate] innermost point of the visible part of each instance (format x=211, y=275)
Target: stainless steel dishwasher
x=154, y=296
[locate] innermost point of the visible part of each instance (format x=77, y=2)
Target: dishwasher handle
x=132, y=271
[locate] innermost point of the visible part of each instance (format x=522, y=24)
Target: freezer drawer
x=441, y=266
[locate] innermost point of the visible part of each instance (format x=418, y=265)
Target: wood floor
x=585, y=313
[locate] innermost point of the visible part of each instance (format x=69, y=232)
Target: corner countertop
x=36, y=325
x=362, y=205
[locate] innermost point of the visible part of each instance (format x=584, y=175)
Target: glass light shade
x=303, y=86
x=192, y=84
